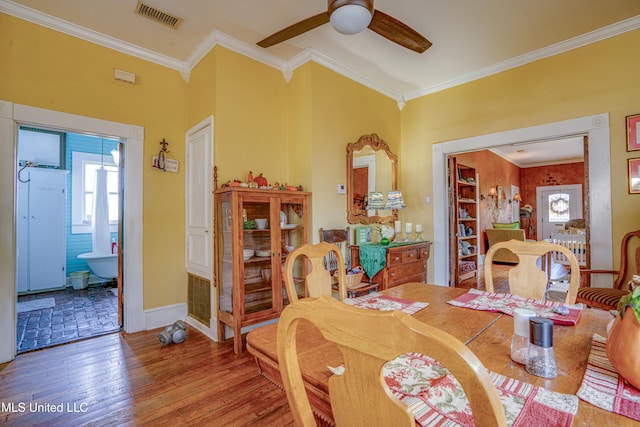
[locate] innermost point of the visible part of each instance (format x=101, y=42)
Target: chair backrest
x=317, y=280
x=629, y=258
x=368, y=339
x=576, y=243
x=340, y=238
x=526, y=279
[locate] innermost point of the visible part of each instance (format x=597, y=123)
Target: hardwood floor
x=131, y=379
x=122, y=379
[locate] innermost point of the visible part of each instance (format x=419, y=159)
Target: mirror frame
x=376, y=144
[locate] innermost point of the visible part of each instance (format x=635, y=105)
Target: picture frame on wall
x=634, y=176
x=633, y=132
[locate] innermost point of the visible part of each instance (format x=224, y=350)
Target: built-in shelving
x=465, y=220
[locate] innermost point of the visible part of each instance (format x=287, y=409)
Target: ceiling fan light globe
x=350, y=19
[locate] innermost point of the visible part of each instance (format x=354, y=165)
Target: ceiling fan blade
x=394, y=30
x=295, y=29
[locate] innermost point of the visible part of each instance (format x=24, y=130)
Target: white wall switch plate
x=342, y=189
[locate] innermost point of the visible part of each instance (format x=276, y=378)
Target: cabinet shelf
x=465, y=200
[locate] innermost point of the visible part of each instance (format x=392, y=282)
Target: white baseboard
x=210, y=331
x=163, y=316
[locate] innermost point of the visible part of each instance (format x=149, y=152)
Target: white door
x=557, y=205
x=199, y=218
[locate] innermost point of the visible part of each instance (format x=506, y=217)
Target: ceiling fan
x=351, y=17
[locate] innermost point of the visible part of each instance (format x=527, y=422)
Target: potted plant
x=623, y=343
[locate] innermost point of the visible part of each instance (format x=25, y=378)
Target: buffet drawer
x=406, y=272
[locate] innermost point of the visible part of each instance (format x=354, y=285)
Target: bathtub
x=104, y=266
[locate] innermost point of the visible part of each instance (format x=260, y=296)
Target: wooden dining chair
x=368, y=339
x=317, y=278
x=340, y=238
x=527, y=279
x=608, y=298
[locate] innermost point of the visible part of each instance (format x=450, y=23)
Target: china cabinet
x=250, y=253
x=465, y=225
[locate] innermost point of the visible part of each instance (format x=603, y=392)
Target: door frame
x=133, y=136
x=596, y=127
x=540, y=213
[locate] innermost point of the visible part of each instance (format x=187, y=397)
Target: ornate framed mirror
x=371, y=167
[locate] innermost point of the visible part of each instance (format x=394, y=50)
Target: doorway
x=65, y=182
x=557, y=205
x=595, y=127
x=133, y=136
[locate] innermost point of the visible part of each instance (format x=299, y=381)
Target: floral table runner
x=436, y=398
x=507, y=303
x=604, y=388
x=377, y=301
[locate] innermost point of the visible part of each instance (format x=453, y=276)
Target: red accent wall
x=493, y=170
x=543, y=176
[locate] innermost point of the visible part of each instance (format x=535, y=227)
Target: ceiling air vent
x=157, y=15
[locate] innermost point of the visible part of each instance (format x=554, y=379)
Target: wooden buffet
x=406, y=263
x=487, y=334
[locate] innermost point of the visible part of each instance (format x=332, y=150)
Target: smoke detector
x=157, y=15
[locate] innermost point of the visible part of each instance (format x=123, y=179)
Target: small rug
x=507, y=303
x=36, y=304
x=377, y=301
x=436, y=398
x=603, y=387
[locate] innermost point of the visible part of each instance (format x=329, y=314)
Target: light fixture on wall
x=351, y=18
x=491, y=198
x=516, y=198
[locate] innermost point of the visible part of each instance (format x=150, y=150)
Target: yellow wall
x=594, y=79
x=250, y=119
x=341, y=112
x=47, y=69
x=292, y=132
x=297, y=132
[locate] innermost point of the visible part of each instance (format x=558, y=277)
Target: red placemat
x=603, y=387
x=377, y=301
x=436, y=398
x=506, y=303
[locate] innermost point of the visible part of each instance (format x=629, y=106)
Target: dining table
x=487, y=333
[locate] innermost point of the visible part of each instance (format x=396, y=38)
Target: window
x=84, y=170
x=559, y=207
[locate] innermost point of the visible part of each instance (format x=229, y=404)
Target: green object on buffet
x=384, y=241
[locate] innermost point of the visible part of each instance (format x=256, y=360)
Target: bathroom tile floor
x=78, y=314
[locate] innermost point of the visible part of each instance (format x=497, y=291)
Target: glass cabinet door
x=258, y=233
x=224, y=236
x=292, y=235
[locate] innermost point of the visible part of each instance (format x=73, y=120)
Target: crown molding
x=287, y=68
x=546, y=52
x=48, y=21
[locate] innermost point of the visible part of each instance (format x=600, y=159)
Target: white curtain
x=101, y=237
